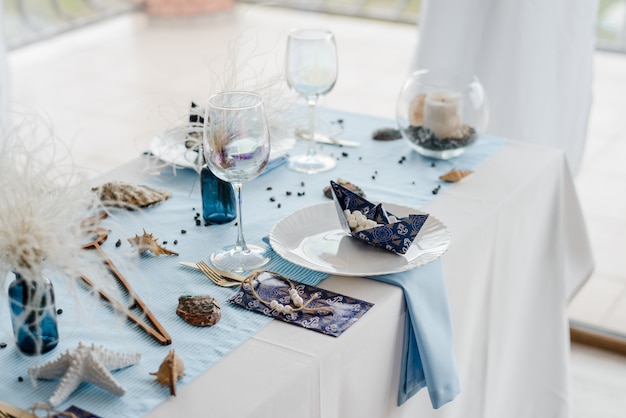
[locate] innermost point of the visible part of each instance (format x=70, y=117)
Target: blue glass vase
x=218, y=198
x=33, y=315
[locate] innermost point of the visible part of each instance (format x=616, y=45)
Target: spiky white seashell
x=91, y=364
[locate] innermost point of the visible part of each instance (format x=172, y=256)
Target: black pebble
x=20, y=379
x=118, y=242
x=198, y=223
x=183, y=231
x=194, y=209
x=269, y=188
x=288, y=193
x=345, y=154
x=175, y=242
x=272, y=199
x=373, y=177
x=360, y=158
x=3, y=345
x=300, y=193
x=164, y=242
x=278, y=206
x=432, y=164
x=59, y=311
x=302, y=183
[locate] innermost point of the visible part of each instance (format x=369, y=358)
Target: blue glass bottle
x=218, y=198
x=33, y=315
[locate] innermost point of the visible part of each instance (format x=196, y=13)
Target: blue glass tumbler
x=33, y=315
x=218, y=198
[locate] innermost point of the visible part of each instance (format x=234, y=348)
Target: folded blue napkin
x=428, y=353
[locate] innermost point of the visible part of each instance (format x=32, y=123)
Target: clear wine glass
x=311, y=71
x=237, y=149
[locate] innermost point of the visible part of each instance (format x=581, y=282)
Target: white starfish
x=90, y=364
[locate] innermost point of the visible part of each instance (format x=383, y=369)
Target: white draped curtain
x=4, y=78
x=534, y=58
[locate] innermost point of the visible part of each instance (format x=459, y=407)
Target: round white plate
x=169, y=146
x=312, y=237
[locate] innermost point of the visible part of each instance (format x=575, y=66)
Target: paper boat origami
x=390, y=233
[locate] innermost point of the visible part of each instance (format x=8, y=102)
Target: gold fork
x=214, y=276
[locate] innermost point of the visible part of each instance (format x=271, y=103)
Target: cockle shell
x=454, y=175
x=147, y=242
x=130, y=196
x=171, y=369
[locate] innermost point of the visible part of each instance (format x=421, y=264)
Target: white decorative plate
x=312, y=237
x=169, y=146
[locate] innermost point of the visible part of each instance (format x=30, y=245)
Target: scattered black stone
x=20, y=379
x=288, y=193
x=3, y=345
x=340, y=121
x=344, y=154
x=302, y=183
x=183, y=231
x=360, y=158
x=269, y=188
x=373, y=177
x=278, y=206
x=193, y=209
x=432, y=164
x=413, y=182
x=300, y=193
x=164, y=242
x=376, y=172
x=118, y=242
x=207, y=223
x=425, y=138
x=436, y=189
x=59, y=311
x=197, y=215
x=272, y=199
x=386, y=134
x=175, y=242
x=198, y=222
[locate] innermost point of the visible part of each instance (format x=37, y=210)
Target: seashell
x=201, y=311
x=454, y=175
x=344, y=183
x=171, y=369
x=386, y=134
x=147, y=242
x=129, y=196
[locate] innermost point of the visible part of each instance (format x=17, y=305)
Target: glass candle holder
x=441, y=112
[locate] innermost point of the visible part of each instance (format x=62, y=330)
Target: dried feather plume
x=43, y=201
x=246, y=66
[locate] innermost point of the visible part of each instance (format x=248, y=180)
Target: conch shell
x=130, y=196
x=147, y=242
x=454, y=175
x=171, y=369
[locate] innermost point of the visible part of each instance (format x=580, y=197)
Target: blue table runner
x=387, y=171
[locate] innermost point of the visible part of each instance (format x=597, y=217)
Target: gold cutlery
x=219, y=277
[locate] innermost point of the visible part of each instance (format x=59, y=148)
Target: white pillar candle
x=442, y=114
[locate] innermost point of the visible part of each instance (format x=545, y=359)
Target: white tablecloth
x=519, y=253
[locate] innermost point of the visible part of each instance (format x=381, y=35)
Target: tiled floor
x=109, y=88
